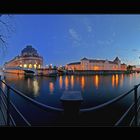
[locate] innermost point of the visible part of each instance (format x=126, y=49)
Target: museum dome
x=29, y=51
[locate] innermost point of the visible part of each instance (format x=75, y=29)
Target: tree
x=130, y=67
x=6, y=28
x=55, y=68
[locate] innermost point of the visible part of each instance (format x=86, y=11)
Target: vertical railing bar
x=25, y=120
x=8, y=105
x=124, y=115
x=4, y=103
x=135, y=108
x=12, y=120
x=4, y=96
x=3, y=114
x=132, y=121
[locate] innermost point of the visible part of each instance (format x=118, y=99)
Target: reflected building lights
x=117, y=80
x=121, y=80
x=28, y=82
x=66, y=83
x=113, y=80
x=83, y=82
x=51, y=87
x=72, y=81
x=60, y=82
x=96, y=81
x=35, y=88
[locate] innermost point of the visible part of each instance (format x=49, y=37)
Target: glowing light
x=113, y=80
x=72, y=81
x=20, y=65
x=121, y=80
x=95, y=68
x=51, y=86
x=66, y=82
x=97, y=81
x=60, y=81
x=83, y=82
x=117, y=79
x=36, y=88
x=39, y=66
x=35, y=66
x=30, y=66
x=25, y=65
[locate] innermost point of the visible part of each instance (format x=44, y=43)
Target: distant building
x=136, y=68
x=93, y=64
x=29, y=58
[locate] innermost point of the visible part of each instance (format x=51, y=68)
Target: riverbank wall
x=14, y=71
x=99, y=72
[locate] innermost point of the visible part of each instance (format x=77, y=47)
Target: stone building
x=93, y=64
x=29, y=58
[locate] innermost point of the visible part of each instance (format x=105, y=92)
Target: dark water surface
x=96, y=89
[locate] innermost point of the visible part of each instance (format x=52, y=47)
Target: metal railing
x=7, y=103
x=134, y=106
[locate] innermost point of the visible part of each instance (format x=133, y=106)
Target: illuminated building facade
x=93, y=64
x=29, y=58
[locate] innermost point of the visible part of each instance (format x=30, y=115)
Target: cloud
x=73, y=33
x=105, y=42
x=87, y=25
x=89, y=28
x=136, y=50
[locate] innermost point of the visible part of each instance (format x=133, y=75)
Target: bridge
x=26, y=70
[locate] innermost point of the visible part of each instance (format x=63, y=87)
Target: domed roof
x=29, y=51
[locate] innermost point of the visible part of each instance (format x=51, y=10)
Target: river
x=95, y=89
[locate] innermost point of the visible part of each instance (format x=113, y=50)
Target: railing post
x=136, y=106
x=8, y=106
x=71, y=101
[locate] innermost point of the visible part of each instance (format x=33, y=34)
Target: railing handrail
x=49, y=108
x=109, y=102
x=40, y=105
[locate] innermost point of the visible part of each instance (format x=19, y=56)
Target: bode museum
x=29, y=58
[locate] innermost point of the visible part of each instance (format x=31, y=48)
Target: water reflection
x=130, y=78
x=66, y=83
x=115, y=80
x=72, y=81
x=28, y=82
x=83, y=82
x=51, y=87
x=121, y=80
x=35, y=88
x=96, y=81
x=60, y=82
x=40, y=88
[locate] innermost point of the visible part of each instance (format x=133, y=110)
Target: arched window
x=35, y=66
x=25, y=65
x=30, y=66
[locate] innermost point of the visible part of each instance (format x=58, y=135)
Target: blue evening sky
x=62, y=39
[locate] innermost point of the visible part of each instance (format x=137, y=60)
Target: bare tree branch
x=5, y=30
